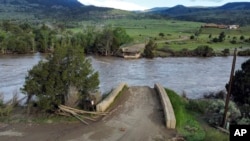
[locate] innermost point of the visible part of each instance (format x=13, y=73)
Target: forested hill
x=72, y=10
x=235, y=6
x=230, y=13
x=49, y=3
x=64, y=10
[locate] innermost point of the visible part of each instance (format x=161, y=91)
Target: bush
x=244, y=52
x=242, y=37
x=210, y=36
x=161, y=35
x=226, y=52
x=191, y=37
x=198, y=106
x=244, y=121
x=247, y=40
x=203, y=51
x=215, y=40
x=216, y=95
x=5, y=110
x=233, y=42
x=245, y=110
x=215, y=111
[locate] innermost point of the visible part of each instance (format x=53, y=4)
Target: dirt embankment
x=136, y=115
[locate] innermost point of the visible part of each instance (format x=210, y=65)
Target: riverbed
x=190, y=75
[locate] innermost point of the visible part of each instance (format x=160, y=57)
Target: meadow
x=141, y=30
x=150, y=28
x=206, y=36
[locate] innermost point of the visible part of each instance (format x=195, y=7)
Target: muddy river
x=193, y=76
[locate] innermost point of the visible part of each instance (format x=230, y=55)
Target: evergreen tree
x=241, y=84
x=51, y=81
x=221, y=37
x=2, y=38
x=90, y=39
x=149, y=48
x=45, y=39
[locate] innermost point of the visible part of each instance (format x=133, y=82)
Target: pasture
x=141, y=30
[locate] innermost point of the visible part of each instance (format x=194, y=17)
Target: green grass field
x=177, y=46
x=203, y=39
x=141, y=30
x=241, y=31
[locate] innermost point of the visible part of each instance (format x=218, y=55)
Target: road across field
x=141, y=46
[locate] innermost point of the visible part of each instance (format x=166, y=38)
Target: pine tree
x=149, y=48
x=51, y=81
x=241, y=84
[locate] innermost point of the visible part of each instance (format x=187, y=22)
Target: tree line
x=24, y=38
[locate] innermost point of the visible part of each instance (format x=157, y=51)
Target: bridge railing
x=167, y=107
x=104, y=104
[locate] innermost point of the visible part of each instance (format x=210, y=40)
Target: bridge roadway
x=136, y=115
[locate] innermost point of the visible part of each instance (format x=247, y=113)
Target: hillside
x=181, y=10
x=235, y=6
x=230, y=13
x=69, y=11
x=51, y=3
x=63, y=10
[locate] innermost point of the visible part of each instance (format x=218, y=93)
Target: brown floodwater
x=192, y=75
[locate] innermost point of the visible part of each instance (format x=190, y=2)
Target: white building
x=233, y=26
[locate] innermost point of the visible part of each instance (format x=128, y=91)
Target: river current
x=193, y=76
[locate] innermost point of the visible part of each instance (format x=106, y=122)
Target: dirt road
x=135, y=116
x=141, y=46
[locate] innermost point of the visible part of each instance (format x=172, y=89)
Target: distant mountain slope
x=230, y=13
x=157, y=9
x=65, y=10
x=180, y=10
x=235, y=6
x=66, y=3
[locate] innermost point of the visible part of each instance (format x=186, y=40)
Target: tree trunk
x=2, y=51
x=72, y=98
